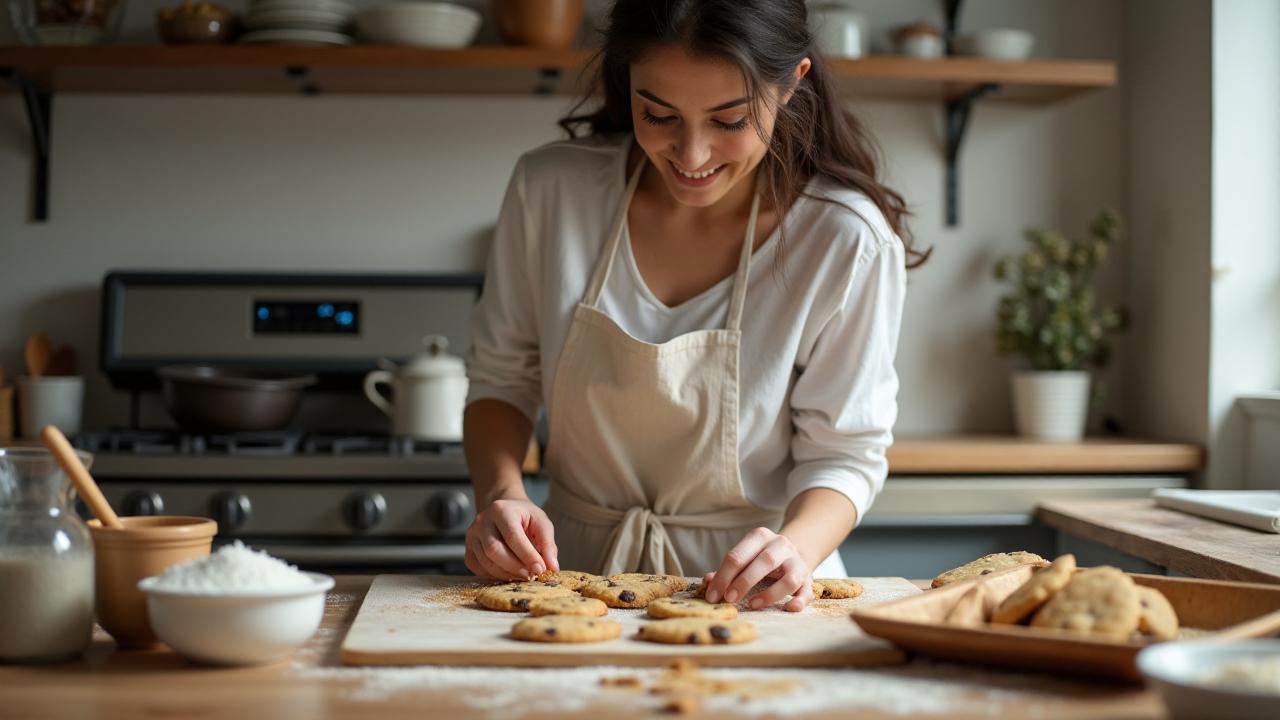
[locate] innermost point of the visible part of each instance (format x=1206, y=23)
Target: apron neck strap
x=601, y=274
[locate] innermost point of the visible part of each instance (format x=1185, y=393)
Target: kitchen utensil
x=838, y=30
x=70, y=463
x=50, y=400
x=428, y=393
x=1257, y=509
x=1212, y=609
x=1178, y=671
x=144, y=547
x=36, y=354
x=436, y=625
x=421, y=24
x=236, y=629
x=46, y=560
x=62, y=361
x=204, y=398
x=538, y=23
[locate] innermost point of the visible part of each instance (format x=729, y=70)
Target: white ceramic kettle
x=428, y=393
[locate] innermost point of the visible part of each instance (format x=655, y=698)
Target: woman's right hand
x=511, y=539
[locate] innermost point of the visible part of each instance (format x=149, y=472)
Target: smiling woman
x=705, y=294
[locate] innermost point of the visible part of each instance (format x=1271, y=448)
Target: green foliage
x=1050, y=315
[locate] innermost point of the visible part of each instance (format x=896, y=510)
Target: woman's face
x=694, y=120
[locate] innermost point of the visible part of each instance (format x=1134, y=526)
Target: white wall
x=412, y=184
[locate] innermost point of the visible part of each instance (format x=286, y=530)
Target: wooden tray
x=433, y=620
x=1206, y=609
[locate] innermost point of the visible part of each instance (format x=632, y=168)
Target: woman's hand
x=763, y=554
x=511, y=539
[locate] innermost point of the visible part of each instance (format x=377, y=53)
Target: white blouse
x=819, y=390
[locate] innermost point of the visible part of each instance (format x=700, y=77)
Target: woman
x=705, y=293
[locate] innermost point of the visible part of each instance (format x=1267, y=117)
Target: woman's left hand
x=762, y=554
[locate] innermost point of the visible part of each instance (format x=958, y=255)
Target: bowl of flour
x=237, y=606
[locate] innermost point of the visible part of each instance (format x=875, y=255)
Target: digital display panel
x=306, y=317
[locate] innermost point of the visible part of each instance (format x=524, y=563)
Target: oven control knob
x=231, y=510
x=364, y=510
x=143, y=502
x=449, y=510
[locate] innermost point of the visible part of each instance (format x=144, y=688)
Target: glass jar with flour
x=46, y=561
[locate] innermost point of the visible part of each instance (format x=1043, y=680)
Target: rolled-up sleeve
x=504, y=360
x=844, y=401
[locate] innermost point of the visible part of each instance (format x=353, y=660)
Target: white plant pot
x=1051, y=405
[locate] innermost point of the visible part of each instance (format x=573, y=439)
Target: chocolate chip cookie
x=571, y=579
x=566, y=629
x=515, y=597
x=697, y=631
x=988, y=564
x=1156, y=616
x=836, y=589
x=675, y=582
x=1036, y=591
x=663, y=608
x=627, y=594
x=568, y=605
x=1099, y=601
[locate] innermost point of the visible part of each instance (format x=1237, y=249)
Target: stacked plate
x=298, y=22
x=421, y=24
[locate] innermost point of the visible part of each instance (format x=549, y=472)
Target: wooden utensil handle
x=71, y=465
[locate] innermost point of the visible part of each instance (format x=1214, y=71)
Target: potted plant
x=1052, y=319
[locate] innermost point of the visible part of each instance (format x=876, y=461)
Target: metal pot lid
x=435, y=362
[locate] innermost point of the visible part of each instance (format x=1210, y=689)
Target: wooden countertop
x=113, y=685
x=1191, y=545
x=956, y=454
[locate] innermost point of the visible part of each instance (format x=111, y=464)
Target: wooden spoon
x=85, y=485
x=36, y=354
x=62, y=362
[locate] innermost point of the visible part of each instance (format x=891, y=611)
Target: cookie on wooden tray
x=571, y=579
x=1036, y=591
x=675, y=582
x=697, y=631
x=566, y=629
x=568, y=605
x=836, y=589
x=617, y=594
x=515, y=597
x=971, y=609
x=663, y=608
x=988, y=564
x=1155, y=615
x=1098, y=601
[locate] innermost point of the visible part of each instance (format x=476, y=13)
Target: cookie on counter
x=836, y=589
x=568, y=605
x=571, y=579
x=1098, y=601
x=675, y=582
x=664, y=608
x=626, y=594
x=697, y=631
x=1156, y=616
x=566, y=629
x=1036, y=591
x=988, y=564
x=515, y=597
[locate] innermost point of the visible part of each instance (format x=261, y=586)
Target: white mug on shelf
x=838, y=30
x=50, y=400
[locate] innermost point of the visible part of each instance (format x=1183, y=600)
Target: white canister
x=428, y=393
x=1051, y=405
x=838, y=30
x=50, y=400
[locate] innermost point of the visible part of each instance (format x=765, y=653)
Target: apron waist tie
x=640, y=535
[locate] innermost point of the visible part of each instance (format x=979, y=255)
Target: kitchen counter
x=1186, y=544
x=313, y=684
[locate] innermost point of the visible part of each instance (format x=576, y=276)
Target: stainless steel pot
x=204, y=398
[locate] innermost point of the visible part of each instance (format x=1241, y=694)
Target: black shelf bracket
x=953, y=21
x=39, y=104
x=958, y=110
x=302, y=75
x=548, y=78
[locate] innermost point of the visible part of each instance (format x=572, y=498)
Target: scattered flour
x=513, y=692
x=234, y=568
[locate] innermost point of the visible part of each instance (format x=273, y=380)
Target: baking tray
x=1206, y=609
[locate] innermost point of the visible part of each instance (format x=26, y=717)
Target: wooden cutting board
x=433, y=620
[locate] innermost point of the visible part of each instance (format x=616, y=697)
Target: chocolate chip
x=612, y=583
x=522, y=603
x=693, y=638
x=985, y=572
x=551, y=631
x=719, y=632
x=627, y=596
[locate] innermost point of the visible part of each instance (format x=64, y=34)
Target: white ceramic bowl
x=1175, y=669
x=997, y=44
x=236, y=629
x=421, y=24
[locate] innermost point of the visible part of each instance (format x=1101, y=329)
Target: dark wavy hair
x=814, y=133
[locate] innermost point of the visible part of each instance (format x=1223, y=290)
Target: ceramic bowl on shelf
x=997, y=44
x=192, y=23
x=1204, y=680
x=236, y=628
x=420, y=24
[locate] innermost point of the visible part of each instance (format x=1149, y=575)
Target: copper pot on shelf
x=538, y=23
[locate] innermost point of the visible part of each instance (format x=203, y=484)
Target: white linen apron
x=643, y=446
